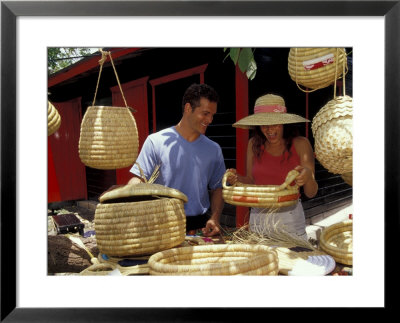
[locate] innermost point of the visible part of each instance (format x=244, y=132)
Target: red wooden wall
x=242, y=136
x=66, y=172
x=135, y=93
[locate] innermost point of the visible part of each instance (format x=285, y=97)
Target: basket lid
x=142, y=189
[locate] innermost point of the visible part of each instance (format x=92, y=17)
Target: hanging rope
x=102, y=60
x=344, y=66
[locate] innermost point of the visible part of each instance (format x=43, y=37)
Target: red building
x=153, y=81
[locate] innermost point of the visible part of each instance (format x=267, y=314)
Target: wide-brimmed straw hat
x=269, y=110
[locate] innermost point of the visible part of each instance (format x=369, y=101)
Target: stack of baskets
x=316, y=68
x=140, y=220
x=53, y=119
x=267, y=196
x=230, y=259
x=109, y=138
x=332, y=129
x=337, y=241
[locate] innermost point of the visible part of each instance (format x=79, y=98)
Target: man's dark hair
x=195, y=92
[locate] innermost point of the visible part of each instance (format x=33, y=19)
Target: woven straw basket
x=261, y=195
x=316, y=68
x=109, y=135
x=109, y=138
x=337, y=241
x=230, y=259
x=332, y=128
x=53, y=119
x=140, y=220
x=348, y=178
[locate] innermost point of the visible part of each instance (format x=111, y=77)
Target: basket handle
x=290, y=177
x=104, y=55
x=224, y=179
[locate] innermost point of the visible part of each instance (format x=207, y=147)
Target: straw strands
x=271, y=233
x=215, y=260
x=53, y=119
x=261, y=195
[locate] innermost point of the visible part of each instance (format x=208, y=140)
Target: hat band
x=270, y=108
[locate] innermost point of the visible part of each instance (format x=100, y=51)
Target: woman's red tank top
x=272, y=170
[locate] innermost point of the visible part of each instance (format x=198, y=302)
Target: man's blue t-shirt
x=190, y=167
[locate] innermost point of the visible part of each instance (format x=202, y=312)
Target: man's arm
x=217, y=203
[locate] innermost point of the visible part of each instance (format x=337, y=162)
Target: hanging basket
x=108, y=138
x=140, y=219
x=316, y=68
x=224, y=259
x=332, y=129
x=268, y=196
x=337, y=241
x=53, y=119
x=109, y=135
x=348, y=178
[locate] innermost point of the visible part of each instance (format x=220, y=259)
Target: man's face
x=201, y=116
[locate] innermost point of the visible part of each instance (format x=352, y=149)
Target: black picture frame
x=10, y=10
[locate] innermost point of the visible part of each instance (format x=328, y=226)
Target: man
x=189, y=161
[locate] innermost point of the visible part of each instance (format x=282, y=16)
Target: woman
x=272, y=152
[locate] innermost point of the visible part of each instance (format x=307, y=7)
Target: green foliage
x=61, y=57
x=244, y=58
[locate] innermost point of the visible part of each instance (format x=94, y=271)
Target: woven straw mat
x=332, y=128
x=108, y=138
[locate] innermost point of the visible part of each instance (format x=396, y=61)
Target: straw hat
x=269, y=110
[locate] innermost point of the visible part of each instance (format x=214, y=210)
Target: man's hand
x=211, y=229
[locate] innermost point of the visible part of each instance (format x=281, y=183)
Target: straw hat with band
x=269, y=110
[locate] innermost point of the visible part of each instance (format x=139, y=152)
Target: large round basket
x=316, y=68
x=108, y=138
x=140, y=220
x=332, y=128
x=268, y=196
x=337, y=241
x=224, y=259
x=53, y=119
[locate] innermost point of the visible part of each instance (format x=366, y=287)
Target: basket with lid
x=271, y=196
x=140, y=219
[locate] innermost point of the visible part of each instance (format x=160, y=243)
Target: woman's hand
x=304, y=176
x=232, y=178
